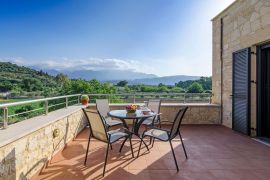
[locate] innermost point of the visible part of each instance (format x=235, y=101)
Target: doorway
x=263, y=91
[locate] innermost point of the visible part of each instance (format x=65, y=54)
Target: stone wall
x=246, y=23
x=196, y=114
x=23, y=157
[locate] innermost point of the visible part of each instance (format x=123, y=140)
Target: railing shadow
x=8, y=166
x=42, y=162
x=64, y=140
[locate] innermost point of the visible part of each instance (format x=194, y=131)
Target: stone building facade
x=244, y=24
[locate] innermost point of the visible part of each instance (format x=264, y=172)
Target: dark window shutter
x=241, y=91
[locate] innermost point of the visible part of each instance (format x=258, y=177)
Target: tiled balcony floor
x=215, y=152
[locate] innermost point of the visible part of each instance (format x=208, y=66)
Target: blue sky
x=163, y=37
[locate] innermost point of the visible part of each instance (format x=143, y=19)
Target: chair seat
x=111, y=122
x=158, y=134
x=117, y=134
x=148, y=121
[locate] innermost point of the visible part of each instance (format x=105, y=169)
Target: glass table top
x=122, y=114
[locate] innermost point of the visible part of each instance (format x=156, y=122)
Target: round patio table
x=138, y=117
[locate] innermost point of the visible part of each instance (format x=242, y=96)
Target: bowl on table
x=131, y=109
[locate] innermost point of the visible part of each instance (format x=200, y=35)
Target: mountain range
x=115, y=76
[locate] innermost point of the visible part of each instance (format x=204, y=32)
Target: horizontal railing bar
x=73, y=100
x=36, y=100
x=56, y=104
x=159, y=95
x=25, y=112
x=150, y=94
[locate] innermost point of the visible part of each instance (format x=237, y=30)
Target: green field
x=4, y=101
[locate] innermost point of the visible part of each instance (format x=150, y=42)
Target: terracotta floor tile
x=160, y=175
x=214, y=152
x=234, y=174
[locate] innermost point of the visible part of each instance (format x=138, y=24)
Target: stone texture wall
x=27, y=155
x=196, y=114
x=246, y=24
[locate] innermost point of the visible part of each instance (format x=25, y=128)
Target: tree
x=195, y=88
x=177, y=90
x=206, y=83
x=122, y=83
x=162, y=89
x=32, y=84
x=161, y=85
x=62, y=78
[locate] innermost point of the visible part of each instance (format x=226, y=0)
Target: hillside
x=20, y=78
x=24, y=81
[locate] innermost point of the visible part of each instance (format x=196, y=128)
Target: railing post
x=210, y=99
x=184, y=98
x=79, y=99
x=134, y=99
x=46, y=107
x=66, y=102
x=5, y=122
x=109, y=98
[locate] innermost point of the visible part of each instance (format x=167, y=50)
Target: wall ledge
x=169, y=104
x=26, y=127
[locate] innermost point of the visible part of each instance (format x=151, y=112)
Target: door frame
x=258, y=88
x=249, y=90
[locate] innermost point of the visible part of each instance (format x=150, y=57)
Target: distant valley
x=114, y=76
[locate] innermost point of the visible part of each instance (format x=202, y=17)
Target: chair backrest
x=103, y=107
x=97, y=125
x=177, y=122
x=154, y=105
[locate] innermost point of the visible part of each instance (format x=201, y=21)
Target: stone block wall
x=246, y=23
x=26, y=156
x=196, y=114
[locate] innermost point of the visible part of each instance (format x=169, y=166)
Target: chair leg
x=131, y=147
x=122, y=145
x=183, y=145
x=106, y=157
x=139, y=148
x=111, y=146
x=174, y=156
x=145, y=145
x=153, y=142
x=87, y=148
x=150, y=141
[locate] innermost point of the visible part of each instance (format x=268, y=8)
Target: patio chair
x=103, y=108
x=153, y=105
x=99, y=131
x=165, y=135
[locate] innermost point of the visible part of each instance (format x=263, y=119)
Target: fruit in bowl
x=131, y=108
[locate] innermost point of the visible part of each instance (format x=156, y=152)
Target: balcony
x=52, y=145
x=215, y=152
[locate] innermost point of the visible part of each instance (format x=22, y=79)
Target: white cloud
x=66, y=64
